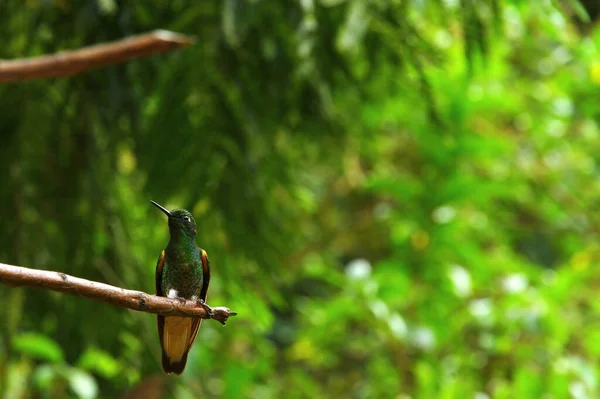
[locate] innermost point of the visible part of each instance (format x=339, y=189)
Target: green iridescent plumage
x=182, y=272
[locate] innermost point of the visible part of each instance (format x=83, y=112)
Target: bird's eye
x=186, y=218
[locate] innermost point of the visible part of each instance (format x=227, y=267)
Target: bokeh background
x=400, y=198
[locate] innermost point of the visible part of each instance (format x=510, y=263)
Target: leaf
x=82, y=383
x=44, y=376
x=107, y=7
x=355, y=27
x=229, y=23
x=579, y=10
x=100, y=362
x=38, y=346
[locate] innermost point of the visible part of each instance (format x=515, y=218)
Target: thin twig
x=136, y=300
x=69, y=63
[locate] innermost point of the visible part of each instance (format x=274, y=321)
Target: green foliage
x=100, y=362
x=38, y=346
x=398, y=197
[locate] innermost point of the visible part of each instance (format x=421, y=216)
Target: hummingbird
x=182, y=272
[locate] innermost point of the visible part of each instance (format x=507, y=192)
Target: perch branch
x=69, y=63
x=136, y=300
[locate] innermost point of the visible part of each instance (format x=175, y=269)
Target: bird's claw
x=181, y=299
x=220, y=314
x=207, y=309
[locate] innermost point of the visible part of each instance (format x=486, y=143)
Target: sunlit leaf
x=82, y=383
x=98, y=361
x=38, y=346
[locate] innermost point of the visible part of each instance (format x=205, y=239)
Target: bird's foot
x=181, y=299
x=220, y=314
x=207, y=309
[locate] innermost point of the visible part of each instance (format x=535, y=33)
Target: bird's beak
x=162, y=208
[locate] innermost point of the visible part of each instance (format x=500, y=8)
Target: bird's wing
x=205, y=280
x=206, y=274
x=158, y=281
x=158, y=274
x=160, y=320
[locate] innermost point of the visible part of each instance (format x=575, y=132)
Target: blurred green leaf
x=82, y=383
x=107, y=6
x=100, y=362
x=38, y=346
x=44, y=377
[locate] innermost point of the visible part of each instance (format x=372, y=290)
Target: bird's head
x=180, y=220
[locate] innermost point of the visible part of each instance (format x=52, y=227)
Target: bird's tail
x=177, y=334
x=171, y=367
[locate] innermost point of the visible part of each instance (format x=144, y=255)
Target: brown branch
x=136, y=300
x=69, y=63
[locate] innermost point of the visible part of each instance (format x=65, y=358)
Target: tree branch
x=69, y=63
x=136, y=300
